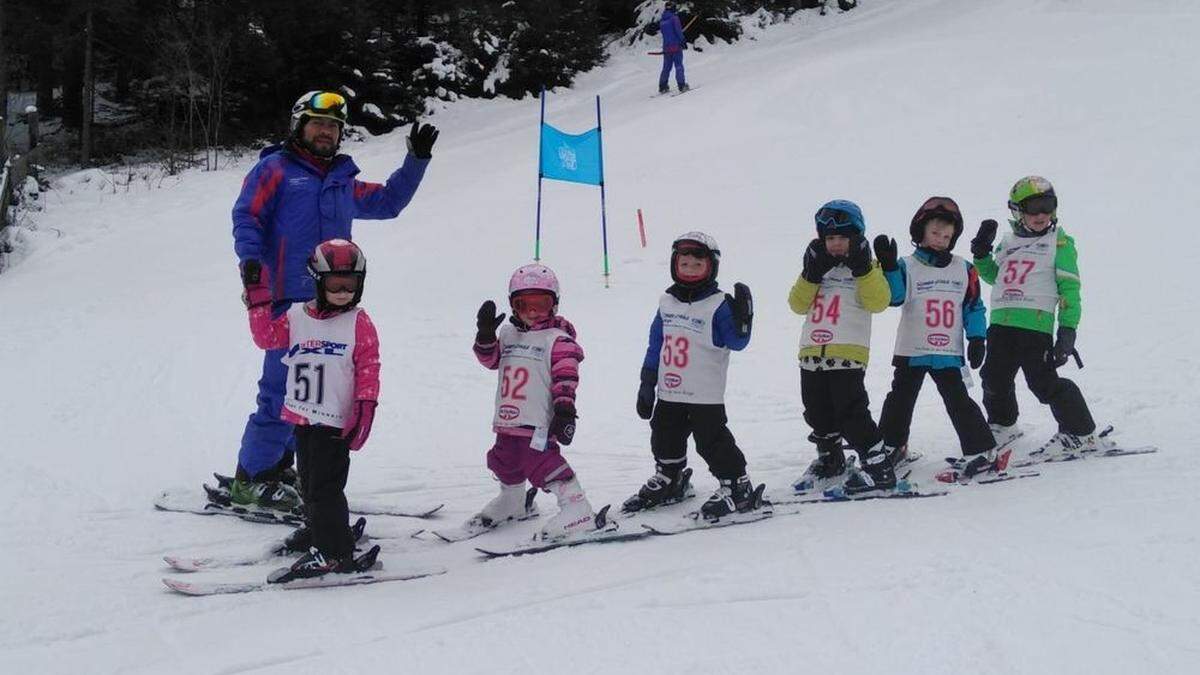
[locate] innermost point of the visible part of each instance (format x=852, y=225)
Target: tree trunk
x=89, y=94
x=3, y=66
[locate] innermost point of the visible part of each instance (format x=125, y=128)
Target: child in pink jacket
x=332, y=390
x=538, y=363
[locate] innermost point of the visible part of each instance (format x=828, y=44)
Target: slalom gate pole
x=537, y=235
x=603, y=217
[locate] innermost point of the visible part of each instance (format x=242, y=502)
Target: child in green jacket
x=1034, y=273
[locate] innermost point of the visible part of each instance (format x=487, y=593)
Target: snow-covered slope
x=127, y=367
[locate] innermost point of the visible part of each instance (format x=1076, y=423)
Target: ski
x=1071, y=457
x=693, y=521
x=999, y=472
x=169, y=500
x=1114, y=451
x=362, y=507
x=607, y=531
x=673, y=93
x=373, y=576
x=473, y=528
x=369, y=508
x=277, y=549
x=836, y=496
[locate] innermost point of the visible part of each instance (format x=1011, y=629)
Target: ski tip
x=432, y=511
x=178, y=564
x=178, y=586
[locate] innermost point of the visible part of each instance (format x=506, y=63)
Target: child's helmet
x=533, y=278
x=1032, y=194
x=944, y=208
x=707, y=245
x=337, y=256
x=840, y=216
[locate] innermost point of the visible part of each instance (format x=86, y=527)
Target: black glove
x=1064, y=347
x=685, y=47
x=256, y=290
x=421, y=140
x=817, y=262
x=976, y=350
x=858, y=259
x=743, y=308
x=562, y=427
x=645, y=399
x=487, y=322
x=981, y=245
x=885, y=251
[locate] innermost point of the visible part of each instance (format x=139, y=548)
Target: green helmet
x=1032, y=194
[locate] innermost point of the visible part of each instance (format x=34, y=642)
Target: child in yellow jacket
x=838, y=290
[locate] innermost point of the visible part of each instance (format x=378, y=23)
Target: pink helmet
x=533, y=278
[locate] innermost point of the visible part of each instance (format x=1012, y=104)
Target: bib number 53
x=675, y=351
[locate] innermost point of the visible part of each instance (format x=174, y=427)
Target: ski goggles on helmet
x=935, y=204
x=536, y=302
x=1038, y=204
x=692, y=250
x=323, y=104
x=340, y=283
x=828, y=218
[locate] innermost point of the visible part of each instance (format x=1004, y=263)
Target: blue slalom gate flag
x=571, y=157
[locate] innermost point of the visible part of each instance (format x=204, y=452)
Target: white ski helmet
x=707, y=245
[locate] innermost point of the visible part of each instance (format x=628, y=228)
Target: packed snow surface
x=128, y=368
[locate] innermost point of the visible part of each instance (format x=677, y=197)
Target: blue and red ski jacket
x=288, y=205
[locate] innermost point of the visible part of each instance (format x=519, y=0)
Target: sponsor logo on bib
x=509, y=412
x=938, y=339
x=1012, y=294
x=319, y=347
x=821, y=336
x=672, y=380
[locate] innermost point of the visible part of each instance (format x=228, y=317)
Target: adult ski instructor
x=300, y=193
x=673, y=44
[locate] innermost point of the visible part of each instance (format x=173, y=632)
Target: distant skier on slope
x=673, y=44
x=537, y=359
x=685, y=367
x=300, y=193
x=1034, y=273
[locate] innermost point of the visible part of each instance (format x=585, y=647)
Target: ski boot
x=316, y=564
x=683, y=87
x=1005, y=433
x=896, y=455
x=983, y=462
x=300, y=540
x=875, y=475
x=736, y=495
x=664, y=487
x=267, y=494
x=513, y=503
x=663, y=89
x=574, y=515
x=829, y=464
x=1063, y=444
